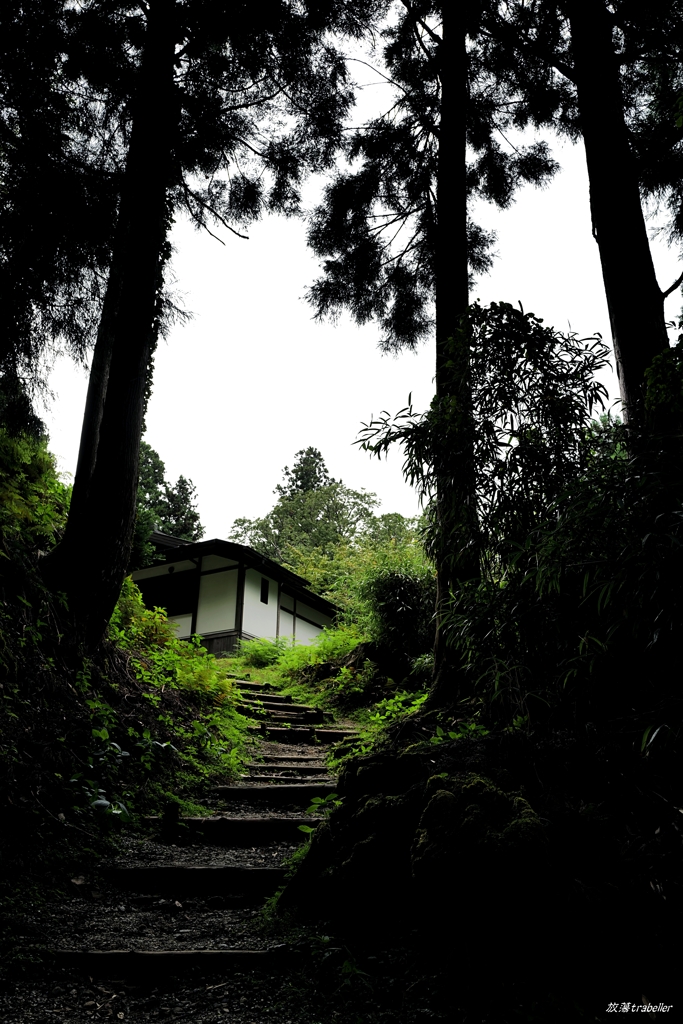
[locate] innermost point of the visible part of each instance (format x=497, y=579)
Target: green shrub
x=261, y=652
x=202, y=723
x=335, y=642
x=402, y=603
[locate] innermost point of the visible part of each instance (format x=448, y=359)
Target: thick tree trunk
x=634, y=299
x=90, y=562
x=456, y=514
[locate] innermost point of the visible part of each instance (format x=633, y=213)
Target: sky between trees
x=251, y=379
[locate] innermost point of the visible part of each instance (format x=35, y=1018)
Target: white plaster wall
x=259, y=619
x=217, y=602
x=162, y=570
x=286, y=601
x=312, y=613
x=183, y=625
x=286, y=623
x=305, y=632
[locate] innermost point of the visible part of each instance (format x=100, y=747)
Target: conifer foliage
x=57, y=201
x=222, y=107
x=161, y=505
x=394, y=233
x=313, y=512
x=611, y=74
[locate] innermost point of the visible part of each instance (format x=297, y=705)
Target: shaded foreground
x=467, y=881
x=173, y=927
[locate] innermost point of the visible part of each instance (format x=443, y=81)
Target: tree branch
x=418, y=21
x=674, y=286
x=398, y=85
x=214, y=213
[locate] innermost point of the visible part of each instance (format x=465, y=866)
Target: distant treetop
x=163, y=506
x=309, y=473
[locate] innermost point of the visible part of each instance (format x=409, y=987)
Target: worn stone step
x=227, y=831
x=291, y=758
x=273, y=766
x=279, y=780
x=125, y=963
x=290, y=793
x=332, y=735
x=284, y=734
x=247, y=684
x=195, y=880
x=289, y=716
x=270, y=698
x=296, y=734
x=294, y=720
x=282, y=706
x=287, y=710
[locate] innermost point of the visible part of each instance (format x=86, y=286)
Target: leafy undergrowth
x=210, y=735
x=343, y=672
x=90, y=744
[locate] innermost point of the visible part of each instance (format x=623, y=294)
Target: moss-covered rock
x=408, y=842
x=475, y=845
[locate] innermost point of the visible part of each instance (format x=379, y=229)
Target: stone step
x=304, y=769
x=333, y=735
x=125, y=963
x=302, y=735
x=297, y=721
x=196, y=880
x=279, y=780
x=291, y=716
x=298, y=792
x=270, y=698
x=281, y=709
x=291, y=758
x=255, y=831
x=289, y=734
x=247, y=684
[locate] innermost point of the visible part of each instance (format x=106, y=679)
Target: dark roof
x=177, y=550
x=165, y=540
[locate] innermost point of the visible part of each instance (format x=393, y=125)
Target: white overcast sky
x=252, y=379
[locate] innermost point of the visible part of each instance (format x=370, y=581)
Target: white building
x=225, y=592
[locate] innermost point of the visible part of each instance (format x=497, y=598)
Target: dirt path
x=172, y=929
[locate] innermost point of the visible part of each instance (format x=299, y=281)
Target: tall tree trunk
x=90, y=562
x=455, y=510
x=634, y=299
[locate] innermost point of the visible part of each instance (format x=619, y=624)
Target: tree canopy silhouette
x=57, y=201
x=395, y=236
x=611, y=74
x=313, y=512
x=161, y=505
x=222, y=108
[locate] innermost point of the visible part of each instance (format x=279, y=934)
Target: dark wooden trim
x=227, y=632
x=294, y=619
x=223, y=641
x=304, y=618
x=309, y=621
x=195, y=610
x=222, y=568
x=308, y=597
x=248, y=557
x=239, y=609
x=169, y=569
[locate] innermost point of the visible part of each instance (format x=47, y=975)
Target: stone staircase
x=184, y=897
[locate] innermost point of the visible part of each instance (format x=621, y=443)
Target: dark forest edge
x=92, y=741
x=548, y=766
x=531, y=794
